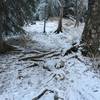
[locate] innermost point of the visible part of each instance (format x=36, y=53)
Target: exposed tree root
x=74, y=48
x=38, y=56
x=71, y=50
x=58, y=31
x=53, y=55
x=32, y=51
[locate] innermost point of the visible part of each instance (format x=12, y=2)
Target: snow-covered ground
x=63, y=77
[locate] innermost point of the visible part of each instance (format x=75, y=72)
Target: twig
x=48, y=69
x=51, y=78
x=33, y=51
x=53, y=55
x=41, y=94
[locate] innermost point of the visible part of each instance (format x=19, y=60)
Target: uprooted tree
x=91, y=33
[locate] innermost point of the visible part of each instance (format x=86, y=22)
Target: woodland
x=49, y=49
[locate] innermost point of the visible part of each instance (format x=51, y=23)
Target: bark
x=45, y=17
x=59, y=29
x=39, y=56
x=77, y=15
x=91, y=33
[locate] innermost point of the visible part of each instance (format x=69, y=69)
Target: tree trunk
x=45, y=16
x=77, y=14
x=91, y=33
x=59, y=29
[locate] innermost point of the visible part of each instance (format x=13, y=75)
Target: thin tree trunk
x=77, y=15
x=59, y=29
x=1, y=43
x=46, y=16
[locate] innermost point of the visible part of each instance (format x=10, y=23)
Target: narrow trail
x=50, y=75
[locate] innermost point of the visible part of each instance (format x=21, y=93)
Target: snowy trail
x=73, y=81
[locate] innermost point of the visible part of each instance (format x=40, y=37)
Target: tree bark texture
x=91, y=33
x=59, y=28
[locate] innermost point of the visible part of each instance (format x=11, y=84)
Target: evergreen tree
x=13, y=15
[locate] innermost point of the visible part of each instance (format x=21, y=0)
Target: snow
x=75, y=80
x=52, y=40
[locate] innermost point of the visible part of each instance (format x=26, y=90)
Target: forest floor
x=48, y=74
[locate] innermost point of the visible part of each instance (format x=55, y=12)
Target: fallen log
x=37, y=57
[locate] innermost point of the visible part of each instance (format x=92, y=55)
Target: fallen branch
x=33, y=51
x=31, y=66
x=51, y=78
x=38, y=56
x=48, y=69
x=31, y=58
x=35, y=64
x=53, y=55
x=40, y=95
